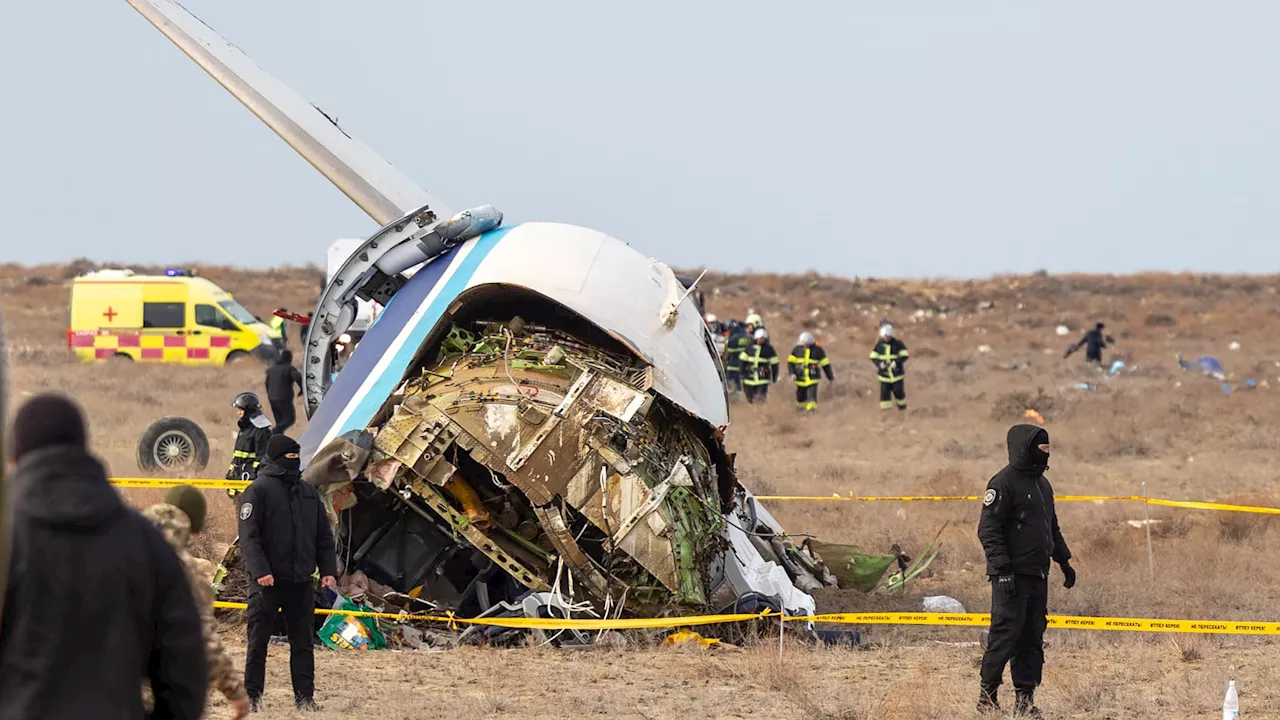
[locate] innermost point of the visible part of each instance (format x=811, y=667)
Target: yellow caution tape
x=1065, y=622
x=1214, y=506
x=166, y=483
x=1188, y=504
x=942, y=498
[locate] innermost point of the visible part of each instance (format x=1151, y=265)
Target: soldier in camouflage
x=179, y=517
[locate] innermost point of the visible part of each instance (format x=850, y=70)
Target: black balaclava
x=278, y=447
x=1024, y=453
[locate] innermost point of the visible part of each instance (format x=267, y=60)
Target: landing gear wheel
x=173, y=444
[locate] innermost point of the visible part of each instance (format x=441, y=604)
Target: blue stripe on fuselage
x=390, y=324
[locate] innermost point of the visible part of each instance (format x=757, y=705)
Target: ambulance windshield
x=237, y=311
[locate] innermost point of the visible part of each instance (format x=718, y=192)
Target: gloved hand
x=1070, y=574
x=1005, y=583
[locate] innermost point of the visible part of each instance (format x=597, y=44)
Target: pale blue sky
x=874, y=139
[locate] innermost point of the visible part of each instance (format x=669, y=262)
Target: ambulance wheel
x=235, y=356
x=121, y=358
x=173, y=444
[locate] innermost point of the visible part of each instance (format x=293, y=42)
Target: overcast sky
x=931, y=138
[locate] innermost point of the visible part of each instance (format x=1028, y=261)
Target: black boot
x=1025, y=705
x=987, y=700
x=255, y=703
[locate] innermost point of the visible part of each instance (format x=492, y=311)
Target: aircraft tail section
x=365, y=177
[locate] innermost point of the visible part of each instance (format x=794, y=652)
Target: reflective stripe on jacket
x=759, y=365
x=890, y=358
x=807, y=364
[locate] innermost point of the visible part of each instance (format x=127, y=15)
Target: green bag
x=348, y=632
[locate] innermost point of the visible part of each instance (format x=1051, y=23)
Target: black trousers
x=298, y=603
x=893, y=393
x=756, y=393
x=733, y=379
x=284, y=414
x=807, y=396
x=1017, y=634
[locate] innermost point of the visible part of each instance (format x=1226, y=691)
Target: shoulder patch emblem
x=247, y=509
x=987, y=499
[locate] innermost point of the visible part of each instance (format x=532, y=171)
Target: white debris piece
x=1063, y=330
x=1234, y=346
x=984, y=349
x=942, y=604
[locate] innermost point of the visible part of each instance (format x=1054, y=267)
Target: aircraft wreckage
x=536, y=418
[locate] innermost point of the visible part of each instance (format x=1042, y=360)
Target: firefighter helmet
x=247, y=401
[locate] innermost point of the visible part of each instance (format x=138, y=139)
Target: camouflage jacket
x=173, y=522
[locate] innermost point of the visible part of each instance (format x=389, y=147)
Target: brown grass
x=1178, y=433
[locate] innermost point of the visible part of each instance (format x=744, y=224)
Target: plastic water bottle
x=1231, y=704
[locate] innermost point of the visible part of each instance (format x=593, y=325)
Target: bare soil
x=983, y=352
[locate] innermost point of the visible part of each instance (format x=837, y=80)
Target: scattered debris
x=1084, y=387
x=984, y=349
x=1116, y=367
x=1142, y=523
x=1206, y=364
x=688, y=637
x=942, y=604
x=1063, y=330
x=523, y=470
x=1234, y=346
x=348, y=632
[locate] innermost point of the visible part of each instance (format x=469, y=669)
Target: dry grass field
x=983, y=352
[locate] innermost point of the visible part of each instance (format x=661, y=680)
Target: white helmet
x=886, y=330
x=754, y=319
x=761, y=334
x=806, y=339
x=711, y=318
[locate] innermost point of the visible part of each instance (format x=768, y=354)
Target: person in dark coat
x=1093, y=343
x=284, y=537
x=96, y=600
x=1019, y=532
x=281, y=379
x=251, y=439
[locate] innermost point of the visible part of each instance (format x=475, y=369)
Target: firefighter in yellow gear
x=759, y=367
x=807, y=362
x=890, y=358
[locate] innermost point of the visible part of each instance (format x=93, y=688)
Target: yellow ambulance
x=170, y=318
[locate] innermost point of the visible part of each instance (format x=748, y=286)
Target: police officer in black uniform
x=251, y=441
x=1019, y=533
x=284, y=537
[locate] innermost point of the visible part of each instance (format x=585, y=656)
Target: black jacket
x=250, y=449
x=284, y=531
x=807, y=363
x=281, y=377
x=1019, y=525
x=96, y=602
x=1093, y=342
x=890, y=358
x=734, y=347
